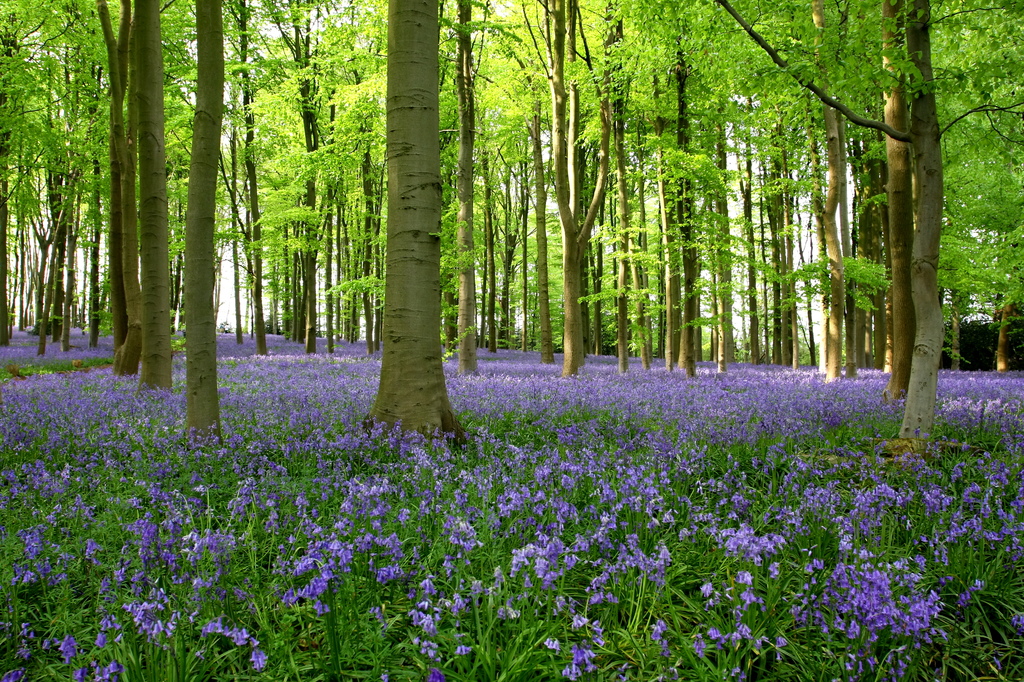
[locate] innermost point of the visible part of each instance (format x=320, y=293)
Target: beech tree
x=412, y=390
x=153, y=234
x=202, y=403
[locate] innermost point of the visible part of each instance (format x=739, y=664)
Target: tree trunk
x=412, y=388
x=126, y=358
x=919, y=409
x=725, y=355
x=69, y=289
x=575, y=234
x=849, y=309
x=547, y=353
x=955, y=332
x=746, y=188
x=464, y=190
x=900, y=197
x=254, y=246
x=95, y=305
x=202, y=403
x=833, y=248
x=688, y=347
x=491, y=263
x=622, y=298
x=153, y=230
x=237, y=286
x=117, y=68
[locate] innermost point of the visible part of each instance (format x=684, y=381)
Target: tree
x=464, y=183
x=924, y=135
x=412, y=390
x=153, y=233
x=202, y=404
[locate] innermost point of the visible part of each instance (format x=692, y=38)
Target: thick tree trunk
x=464, y=190
x=202, y=403
x=153, y=230
x=919, y=409
x=412, y=387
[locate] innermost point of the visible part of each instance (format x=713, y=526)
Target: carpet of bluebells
x=751, y=525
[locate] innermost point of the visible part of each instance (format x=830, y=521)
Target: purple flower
x=258, y=659
x=435, y=675
x=69, y=649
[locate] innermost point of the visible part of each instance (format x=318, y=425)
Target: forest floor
x=756, y=525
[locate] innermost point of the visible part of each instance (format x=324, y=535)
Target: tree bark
x=540, y=211
x=900, y=199
x=919, y=409
x=746, y=189
x=464, y=190
x=688, y=346
x=412, y=388
x=202, y=403
x=153, y=230
x=254, y=246
x=575, y=233
x=127, y=356
x=117, y=68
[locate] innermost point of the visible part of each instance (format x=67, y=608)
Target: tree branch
x=987, y=108
x=851, y=115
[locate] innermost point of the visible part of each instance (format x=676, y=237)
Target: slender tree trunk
x=688, y=348
x=7, y=48
x=547, y=353
x=622, y=184
x=202, y=402
x=117, y=68
x=412, y=388
x=237, y=286
x=95, y=305
x=849, y=309
x=491, y=261
x=5, y=316
x=254, y=246
x=464, y=190
x=955, y=332
x=69, y=288
x=126, y=358
x=746, y=186
x=725, y=354
x=900, y=196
